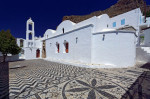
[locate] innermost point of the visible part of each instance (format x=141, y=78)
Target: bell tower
x=30, y=29
x=30, y=34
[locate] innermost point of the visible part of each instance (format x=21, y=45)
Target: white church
x=98, y=40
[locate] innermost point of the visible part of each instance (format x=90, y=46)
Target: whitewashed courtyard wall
x=115, y=48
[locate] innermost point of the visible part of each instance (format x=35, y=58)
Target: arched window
x=30, y=27
x=107, y=25
x=63, y=30
x=57, y=47
x=30, y=36
x=76, y=40
x=66, y=45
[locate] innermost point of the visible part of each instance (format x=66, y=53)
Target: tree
x=8, y=44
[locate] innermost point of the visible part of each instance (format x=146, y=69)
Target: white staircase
x=146, y=49
x=143, y=54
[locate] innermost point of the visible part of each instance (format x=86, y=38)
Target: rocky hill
x=120, y=7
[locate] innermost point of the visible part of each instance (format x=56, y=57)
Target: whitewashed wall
x=132, y=18
x=78, y=52
x=102, y=22
x=147, y=37
x=30, y=53
x=38, y=43
x=67, y=25
x=116, y=48
x=49, y=33
x=91, y=20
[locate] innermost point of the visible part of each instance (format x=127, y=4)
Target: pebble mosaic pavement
x=40, y=79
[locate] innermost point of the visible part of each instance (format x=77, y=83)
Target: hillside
x=120, y=7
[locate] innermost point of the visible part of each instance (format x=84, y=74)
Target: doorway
x=67, y=47
x=37, y=53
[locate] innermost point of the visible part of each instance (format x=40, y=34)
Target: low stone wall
x=10, y=58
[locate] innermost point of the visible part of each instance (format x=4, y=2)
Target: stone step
x=142, y=55
x=147, y=49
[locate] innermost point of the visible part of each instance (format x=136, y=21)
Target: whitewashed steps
x=147, y=49
x=143, y=54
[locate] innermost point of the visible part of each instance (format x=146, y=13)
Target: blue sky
x=47, y=14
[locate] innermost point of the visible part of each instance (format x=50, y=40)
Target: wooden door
x=67, y=47
x=37, y=53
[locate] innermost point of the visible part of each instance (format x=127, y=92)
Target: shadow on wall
x=140, y=89
x=4, y=80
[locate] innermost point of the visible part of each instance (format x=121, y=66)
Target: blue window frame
x=114, y=24
x=123, y=22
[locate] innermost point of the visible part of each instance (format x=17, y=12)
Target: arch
x=65, y=26
x=76, y=40
x=57, y=47
x=30, y=27
x=63, y=30
x=49, y=33
x=37, y=53
x=66, y=47
x=30, y=36
x=102, y=22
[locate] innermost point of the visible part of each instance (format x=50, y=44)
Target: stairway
x=146, y=49
x=143, y=54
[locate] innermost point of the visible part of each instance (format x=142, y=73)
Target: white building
x=32, y=45
x=93, y=42
x=97, y=40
